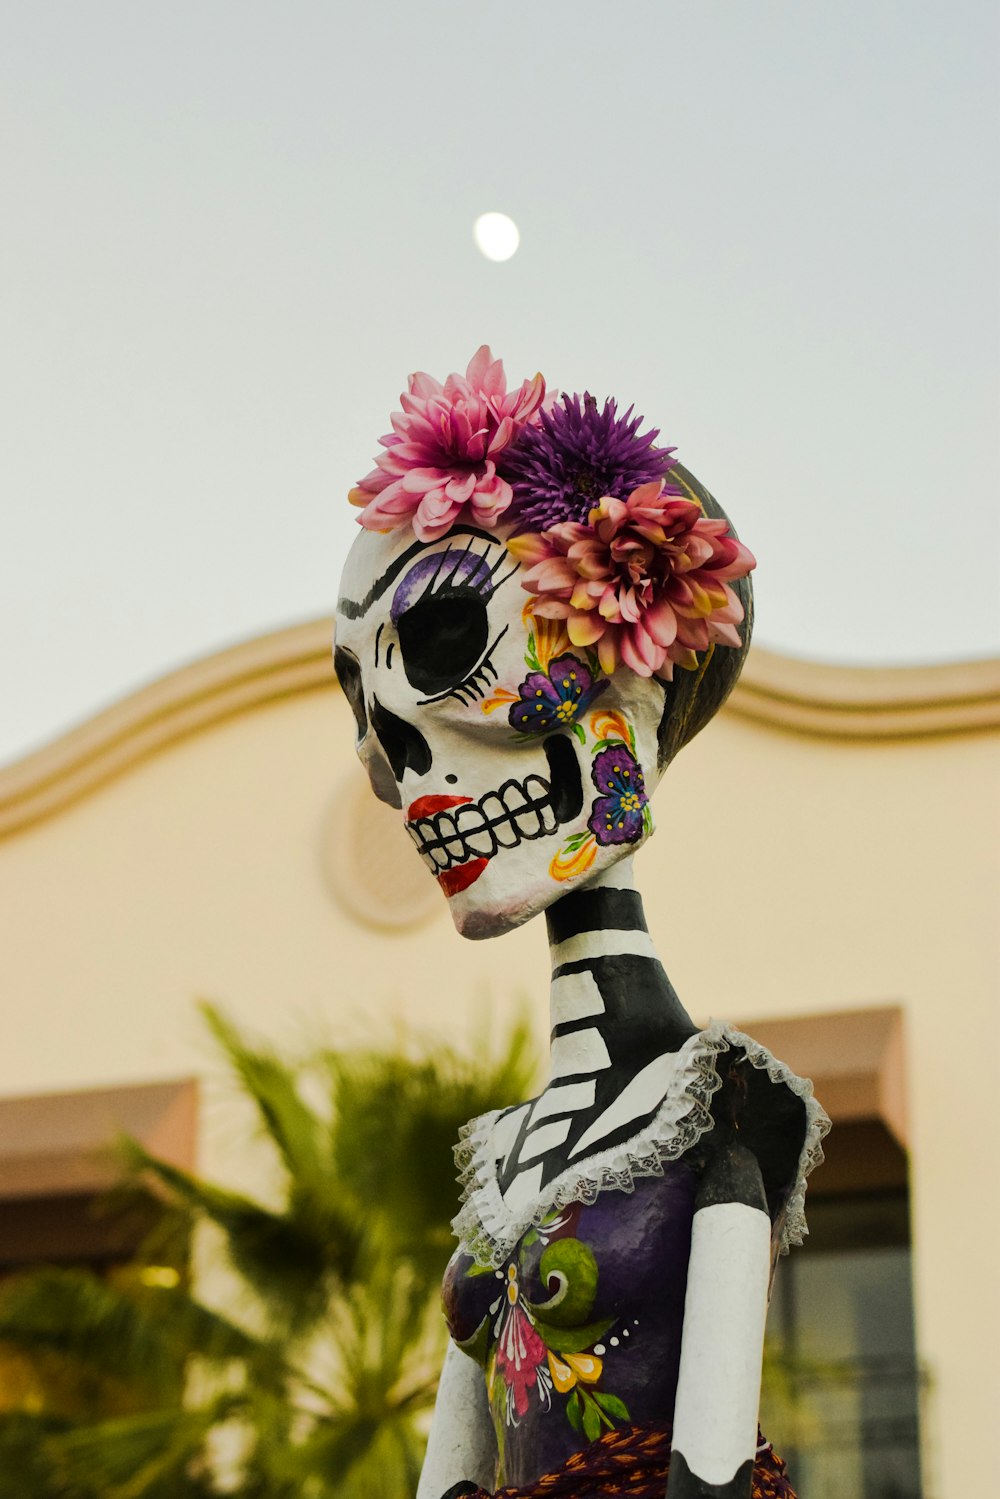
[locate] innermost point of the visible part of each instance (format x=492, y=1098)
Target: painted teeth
x=477, y=834
x=477, y=830
x=528, y=823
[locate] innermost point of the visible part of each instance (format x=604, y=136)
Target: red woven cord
x=634, y=1462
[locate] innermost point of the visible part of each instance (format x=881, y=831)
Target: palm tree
x=317, y=1383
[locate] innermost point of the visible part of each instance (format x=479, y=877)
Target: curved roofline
x=801, y=697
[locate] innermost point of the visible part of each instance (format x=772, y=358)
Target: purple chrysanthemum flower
x=576, y=454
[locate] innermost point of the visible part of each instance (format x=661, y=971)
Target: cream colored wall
x=789, y=875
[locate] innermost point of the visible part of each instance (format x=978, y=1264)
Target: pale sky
x=230, y=229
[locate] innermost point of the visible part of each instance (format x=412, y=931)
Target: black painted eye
x=349, y=676
x=442, y=638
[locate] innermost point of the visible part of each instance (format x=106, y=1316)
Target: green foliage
x=130, y=1387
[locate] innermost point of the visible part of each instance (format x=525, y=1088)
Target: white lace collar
x=488, y=1229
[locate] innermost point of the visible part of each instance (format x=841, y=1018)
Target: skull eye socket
x=442, y=639
x=349, y=676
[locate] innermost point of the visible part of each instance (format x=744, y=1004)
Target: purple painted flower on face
x=617, y=815
x=555, y=699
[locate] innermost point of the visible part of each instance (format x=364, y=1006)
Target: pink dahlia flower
x=645, y=581
x=442, y=452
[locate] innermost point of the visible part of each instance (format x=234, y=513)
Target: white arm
x=715, y=1415
x=462, y=1443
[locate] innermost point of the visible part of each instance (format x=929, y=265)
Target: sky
x=231, y=229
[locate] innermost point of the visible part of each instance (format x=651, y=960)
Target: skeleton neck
x=611, y=1003
x=616, y=1022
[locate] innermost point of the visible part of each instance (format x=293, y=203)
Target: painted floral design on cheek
x=555, y=699
x=618, y=814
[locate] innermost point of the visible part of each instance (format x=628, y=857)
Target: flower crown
x=627, y=561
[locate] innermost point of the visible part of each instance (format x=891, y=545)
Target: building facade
x=824, y=874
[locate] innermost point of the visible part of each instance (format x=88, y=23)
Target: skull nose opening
x=405, y=747
x=567, y=784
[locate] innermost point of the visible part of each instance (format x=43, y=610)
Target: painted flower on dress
x=645, y=581
x=441, y=456
x=555, y=699
x=520, y=1360
x=618, y=815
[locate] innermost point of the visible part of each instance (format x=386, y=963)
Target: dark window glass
x=841, y=1390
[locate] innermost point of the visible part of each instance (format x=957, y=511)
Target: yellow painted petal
x=562, y=1375
x=609, y=725
x=501, y=698
x=585, y=1366
x=566, y=866
x=551, y=640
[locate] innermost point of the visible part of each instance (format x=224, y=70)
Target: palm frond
x=289, y=1123
x=25, y=1470
x=91, y=1342
x=286, y=1256
x=126, y=1457
x=396, y=1125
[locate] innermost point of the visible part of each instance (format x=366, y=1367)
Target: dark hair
x=693, y=697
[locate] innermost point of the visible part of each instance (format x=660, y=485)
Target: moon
x=496, y=235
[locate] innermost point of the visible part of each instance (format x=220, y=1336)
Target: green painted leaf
x=574, y=1411
x=591, y=1421
x=569, y=1270
x=572, y=1339
x=477, y=1346
x=476, y=1269
x=612, y=1405
x=578, y=730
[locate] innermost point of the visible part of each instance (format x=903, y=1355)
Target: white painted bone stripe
x=564, y=1098
x=524, y=1189
x=603, y=944
x=636, y=1100
x=544, y=1138
x=579, y=1052
x=575, y=997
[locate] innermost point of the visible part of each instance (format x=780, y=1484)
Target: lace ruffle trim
x=488, y=1229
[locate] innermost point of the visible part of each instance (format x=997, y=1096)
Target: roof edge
x=782, y=692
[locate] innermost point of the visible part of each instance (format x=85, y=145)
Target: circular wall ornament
x=368, y=864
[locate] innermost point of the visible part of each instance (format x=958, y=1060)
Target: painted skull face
x=519, y=767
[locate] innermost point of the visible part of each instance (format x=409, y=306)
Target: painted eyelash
x=485, y=583
x=475, y=685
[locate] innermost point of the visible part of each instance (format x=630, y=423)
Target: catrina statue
x=542, y=608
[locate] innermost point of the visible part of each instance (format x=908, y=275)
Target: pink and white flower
x=644, y=581
x=521, y=1360
x=441, y=455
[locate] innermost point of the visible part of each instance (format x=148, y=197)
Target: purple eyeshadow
x=441, y=572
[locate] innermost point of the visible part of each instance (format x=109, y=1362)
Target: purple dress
x=573, y=1304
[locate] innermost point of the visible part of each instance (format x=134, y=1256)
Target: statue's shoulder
x=773, y=1111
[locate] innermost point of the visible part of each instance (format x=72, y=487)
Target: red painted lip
x=452, y=881
x=426, y=806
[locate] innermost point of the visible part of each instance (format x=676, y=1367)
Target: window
x=841, y=1386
